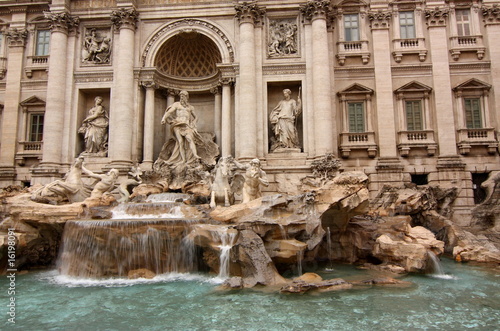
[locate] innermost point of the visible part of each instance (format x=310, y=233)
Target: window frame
x=460, y=24
x=359, y=124
x=473, y=117
x=45, y=43
x=39, y=126
x=349, y=36
x=420, y=111
x=405, y=27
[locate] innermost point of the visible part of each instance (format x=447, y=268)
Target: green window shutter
x=36, y=129
x=356, y=117
x=42, y=43
x=473, y=113
x=414, y=119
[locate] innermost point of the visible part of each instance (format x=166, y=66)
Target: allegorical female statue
x=283, y=118
x=95, y=129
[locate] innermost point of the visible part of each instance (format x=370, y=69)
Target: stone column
x=248, y=14
x=438, y=45
x=16, y=39
x=225, y=143
x=216, y=91
x=316, y=12
x=149, y=132
x=122, y=110
x=60, y=24
x=491, y=17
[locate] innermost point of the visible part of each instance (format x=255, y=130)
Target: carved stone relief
x=96, y=47
x=282, y=38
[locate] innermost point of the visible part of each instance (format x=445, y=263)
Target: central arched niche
x=188, y=55
x=188, y=61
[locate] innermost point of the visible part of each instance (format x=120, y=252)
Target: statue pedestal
x=95, y=163
x=283, y=157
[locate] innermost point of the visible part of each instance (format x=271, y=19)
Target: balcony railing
x=36, y=63
x=29, y=149
x=358, y=141
x=416, y=139
x=477, y=137
x=461, y=44
x=352, y=49
x=409, y=46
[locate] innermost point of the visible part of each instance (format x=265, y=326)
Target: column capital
x=436, y=17
x=149, y=84
x=249, y=12
x=380, y=20
x=16, y=37
x=315, y=9
x=216, y=90
x=62, y=22
x=227, y=81
x=491, y=15
x=125, y=18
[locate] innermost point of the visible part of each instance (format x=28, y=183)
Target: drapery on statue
x=95, y=129
x=283, y=118
x=182, y=120
x=254, y=177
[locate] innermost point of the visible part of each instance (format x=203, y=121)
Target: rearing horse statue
x=224, y=183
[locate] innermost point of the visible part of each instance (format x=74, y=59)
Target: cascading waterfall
x=227, y=239
x=329, y=248
x=437, y=268
x=284, y=234
x=158, y=210
x=113, y=248
x=300, y=257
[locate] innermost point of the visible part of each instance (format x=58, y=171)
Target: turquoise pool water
x=468, y=299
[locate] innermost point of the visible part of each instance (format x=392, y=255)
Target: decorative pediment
x=472, y=84
x=413, y=87
x=32, y=102
x=356, y=89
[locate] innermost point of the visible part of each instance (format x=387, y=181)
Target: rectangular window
x=473, y=113
x=36, y=127
x=42, y=42
x=351, y=27
x=414, y=121
x=407, y=25
x=356, y=116
x=463, y=22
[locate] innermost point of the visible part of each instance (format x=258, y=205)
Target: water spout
x=227, y=239
x=437, y=268
x=329, y=248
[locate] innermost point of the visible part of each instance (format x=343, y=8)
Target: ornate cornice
x=249, y=12
x=91, y=77
x=149, y=84
x=16, y=37
x=491, y=15
x=314, y=9
x=125, y=18
x=436, y=16
x=286, y=69
x=62, y=22
x=380, y=19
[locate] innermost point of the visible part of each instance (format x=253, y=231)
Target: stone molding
x=380, y=20
x=16, y=37
x=436, y=17
x=249, y=12
x=491, y=15
x=91, y=77
x=285, y=69
x=315, y=9
x=62, y=22
x=147, y=84
x=125, y=18
x=189, y=23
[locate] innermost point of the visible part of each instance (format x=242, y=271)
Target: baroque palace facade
x=405, y=91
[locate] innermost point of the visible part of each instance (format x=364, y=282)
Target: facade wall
x=409, y=67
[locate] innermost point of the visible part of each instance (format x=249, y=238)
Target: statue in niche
x=96, y=49
x=182, y=120
x=70, y=188
x=282, y=38
x=283, y=121
x=254, y=177
x=95, y=129
x=189, y=155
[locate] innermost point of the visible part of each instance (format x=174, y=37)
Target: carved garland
x=380, y=19
x=437, y=16
x=491, y=14
x=16, y=37
x=191, y=23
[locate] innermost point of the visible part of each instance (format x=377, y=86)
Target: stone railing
x=358, y=141
x=3, y=67
x=351, y=49
x=409, y=46
x=477, y=137
x=461, y=44
x=416, y=139
x=36, y=63
x=31, y=146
